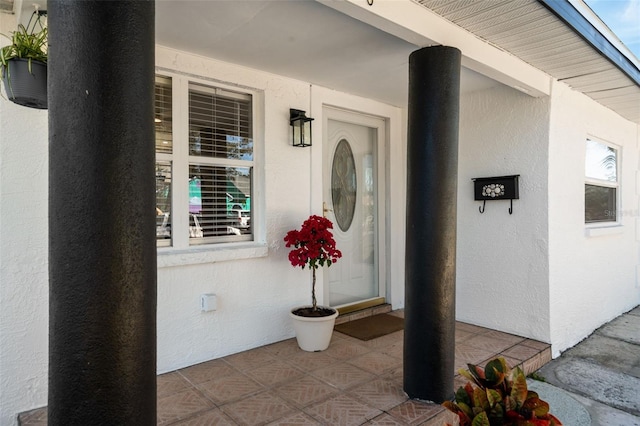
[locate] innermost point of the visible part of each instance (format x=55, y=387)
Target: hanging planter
x=24, y=86
x=23, y=64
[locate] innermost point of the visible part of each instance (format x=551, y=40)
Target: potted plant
x=500, y=397
x=314, y=246
x=23, y=64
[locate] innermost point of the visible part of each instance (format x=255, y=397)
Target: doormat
x=371, y=327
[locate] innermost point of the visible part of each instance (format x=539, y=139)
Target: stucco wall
x=502, y=259
x=256, y=292
x=592, y=277
x=24, y=291
x=255, y=285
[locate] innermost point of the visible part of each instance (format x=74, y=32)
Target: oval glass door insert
x=344, y=185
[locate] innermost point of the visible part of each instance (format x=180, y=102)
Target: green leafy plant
x=29, y=43
x=499, y=397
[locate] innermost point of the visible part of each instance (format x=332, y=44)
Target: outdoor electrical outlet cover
x=208, y=302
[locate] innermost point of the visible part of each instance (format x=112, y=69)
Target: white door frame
x=379, y=125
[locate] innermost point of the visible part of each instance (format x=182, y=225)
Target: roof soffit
x=530, y=31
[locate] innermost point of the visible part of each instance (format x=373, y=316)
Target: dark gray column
x=102, y=249
x=432, y=174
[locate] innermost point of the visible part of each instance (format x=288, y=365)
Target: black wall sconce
x=301, y=125
x=496, y=188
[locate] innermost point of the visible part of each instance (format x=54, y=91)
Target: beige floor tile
x=170, y=383
x=380, y=393
x=342, y=375
x=258, y=409
x=182, y=405
x=490, y=343
x=346, y=349
x=295, y=419
x=274, y=373
x=284, y=348
x=309, y=361
x=386, y=340
x=396, y=374
x=305, y=391
x=475, y=329
x=213, y=417
x=250, y=359
x=351, y=383
x=342, y=410
x=535, y=344
x=396, y=350
x=533, y=364
x=469, y=355
x=415, y=412
x=229, y=388
x=445, y=417
x=375, y=362
x=386, y=420
x=521, y=352
x=206, y=371
x=504, y=336
x=463, y=335
x=37, y=417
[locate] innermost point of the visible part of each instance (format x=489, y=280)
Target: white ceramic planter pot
x=313, y=333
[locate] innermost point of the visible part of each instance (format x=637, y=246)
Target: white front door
x=351, y=200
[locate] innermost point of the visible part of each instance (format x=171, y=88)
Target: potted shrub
x=23, y=64
x=500, y=397
x=313, y=246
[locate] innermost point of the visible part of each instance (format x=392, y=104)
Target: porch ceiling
x=315, y=42
x=300, y=39
x=530, y=31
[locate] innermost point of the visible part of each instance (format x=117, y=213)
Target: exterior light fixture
x=496, y=188
x=301, y=125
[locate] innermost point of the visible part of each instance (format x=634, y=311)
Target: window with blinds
x=205, y=169
x=164, y=149
x=220, y=164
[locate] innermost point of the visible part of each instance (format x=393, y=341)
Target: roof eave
x=581, y=26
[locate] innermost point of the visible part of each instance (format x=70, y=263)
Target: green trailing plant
x=537, y=376
x=29, y=43
x=497, y=395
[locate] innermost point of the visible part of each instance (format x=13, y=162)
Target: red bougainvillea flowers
x=313, y=246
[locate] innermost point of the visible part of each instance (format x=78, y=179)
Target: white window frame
x=593, y=227
x=181, y=251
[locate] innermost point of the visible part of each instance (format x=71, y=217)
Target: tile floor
x=352, y=383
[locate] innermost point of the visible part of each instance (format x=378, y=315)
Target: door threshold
x=362, y=309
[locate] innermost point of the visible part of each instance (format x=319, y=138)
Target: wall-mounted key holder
x=496, y=188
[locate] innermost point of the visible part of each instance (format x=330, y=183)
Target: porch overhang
x=353, y=47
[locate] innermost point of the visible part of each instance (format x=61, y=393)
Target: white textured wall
x=255, y=294
x=502, y=259
x=24, y=290
x=592, y=278
x=256, y=286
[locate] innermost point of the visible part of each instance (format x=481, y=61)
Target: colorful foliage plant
x=499, y=397
x=314, y=246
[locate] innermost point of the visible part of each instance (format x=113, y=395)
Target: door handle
x=325, y=210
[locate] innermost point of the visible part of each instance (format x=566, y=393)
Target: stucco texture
x=24, y=290
x=503, y=259
x=592, y=271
